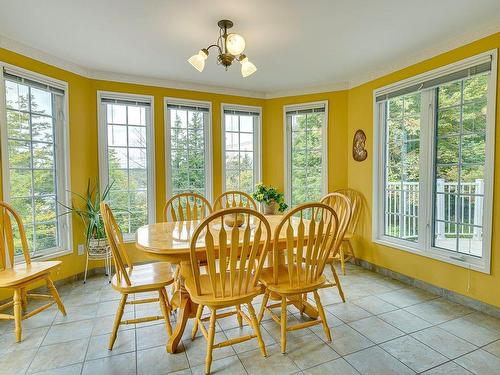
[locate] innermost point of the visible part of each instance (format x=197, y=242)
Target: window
x=434, y=136
x=34, y=152
x=188, y=147
x=241, y=145
x=306, y=151
x=126, y=158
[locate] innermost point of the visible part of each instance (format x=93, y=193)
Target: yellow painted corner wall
x=474, y=284
x=273, y=148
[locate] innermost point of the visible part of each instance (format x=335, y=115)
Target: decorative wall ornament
x=359, y=152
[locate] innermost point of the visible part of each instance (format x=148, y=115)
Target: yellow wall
x=360, y=116
x=348, y=111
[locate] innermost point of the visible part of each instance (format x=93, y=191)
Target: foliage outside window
x=127, y=144
x=436, y=165
x=306, y=153
x=188, y=149
x=35, y=177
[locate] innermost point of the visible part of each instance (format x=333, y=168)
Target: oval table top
x=173, y=238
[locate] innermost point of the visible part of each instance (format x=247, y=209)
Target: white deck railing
x=401, y=209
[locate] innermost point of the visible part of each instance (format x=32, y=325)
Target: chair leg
x=342, y=259
x=351, y=251
x=256, y=329
x=55, y=295
x=322, y=315
x=24, y=299
x=337, y=282
x=86, y=269
x=239, y=317
x=18, y=313
x=195, y=325
x=118, y=319
x=210, y=342
x=283, y=325
x=263, y=306
x=165, y=310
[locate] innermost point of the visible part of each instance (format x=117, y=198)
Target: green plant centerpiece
x=271, y=199
x=89, y=212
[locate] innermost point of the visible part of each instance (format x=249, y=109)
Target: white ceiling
x=297, y=45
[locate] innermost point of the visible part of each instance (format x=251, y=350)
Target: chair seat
x=283, y=286
x=22, y=273
x=145, y=277
x=207, y=297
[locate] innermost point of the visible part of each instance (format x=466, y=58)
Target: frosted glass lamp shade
x=198, y=60
x=235, y=44
x=247, y=68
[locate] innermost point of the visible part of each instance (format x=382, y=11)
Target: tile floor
x=385, y=327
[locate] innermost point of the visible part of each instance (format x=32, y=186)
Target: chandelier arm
x=215, y=45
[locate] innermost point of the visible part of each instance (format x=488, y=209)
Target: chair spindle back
x=356, y=199
x=342, y=207
x=231, y=252
x=186, y=207
x=232, y=199
x=10, y=239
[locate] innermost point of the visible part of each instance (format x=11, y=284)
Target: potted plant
x=271, y=198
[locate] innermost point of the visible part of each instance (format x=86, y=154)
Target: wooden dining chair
x=346, y=251
x=233, y=198
x=232, y=277
x=342, y=207
x=130, y=279
x=310, y=230
x=186, y=207
x=18, y=277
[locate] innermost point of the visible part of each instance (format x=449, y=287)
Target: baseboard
x=442, y=292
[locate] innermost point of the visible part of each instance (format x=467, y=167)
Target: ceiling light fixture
x=230, y=47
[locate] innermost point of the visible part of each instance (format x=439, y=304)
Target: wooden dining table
x=170, y=242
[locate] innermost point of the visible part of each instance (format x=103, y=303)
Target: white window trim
x=288, y=156
x=63, y=155
x=208, y=144
x=257, y=138
x=103, y=149
x=423, y=246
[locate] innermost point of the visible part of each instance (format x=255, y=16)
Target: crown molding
x=308, y=90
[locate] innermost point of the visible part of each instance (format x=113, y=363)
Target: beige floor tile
x=110, y=307
x=274, y=363
x=376, y=329
x=406, y=297
x=122, y=364
x=347, y=312
x=309, y=350
x=229, y=365
x=196, y=350
x=337, y=366
x=43, y=319
x=480, y=362
x=405, y=321
x=374, y=305
x=158, y=361
x=151, y=336
x=346, y=340
x=493, y=348
x=274, y=329
x=59, y=355
x=68, y=370
x=98, y=345
x=449, y=368
x=250, y=344
x=476, y=328
x=444, y=342
x=31, y=339
x=414, y=354
x=69, y=331
x=16, y=362
x=76, y=313
x=438, y=311
x=104, y=325
x=375, y=361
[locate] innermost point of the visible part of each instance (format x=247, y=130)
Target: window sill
x=480, y=265
x=48, y=256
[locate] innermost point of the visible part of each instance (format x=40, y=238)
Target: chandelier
x=230, y=47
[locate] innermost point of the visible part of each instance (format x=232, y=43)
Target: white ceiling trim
x=397, y=65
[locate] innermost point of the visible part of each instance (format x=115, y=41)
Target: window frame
x=62, y=153
x=150, y=154
x=207, y=134
x=287, y=146
x=257, y=139
x=424, y=246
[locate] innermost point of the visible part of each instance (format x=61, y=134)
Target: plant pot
x=98, y=247
x=269, y=209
